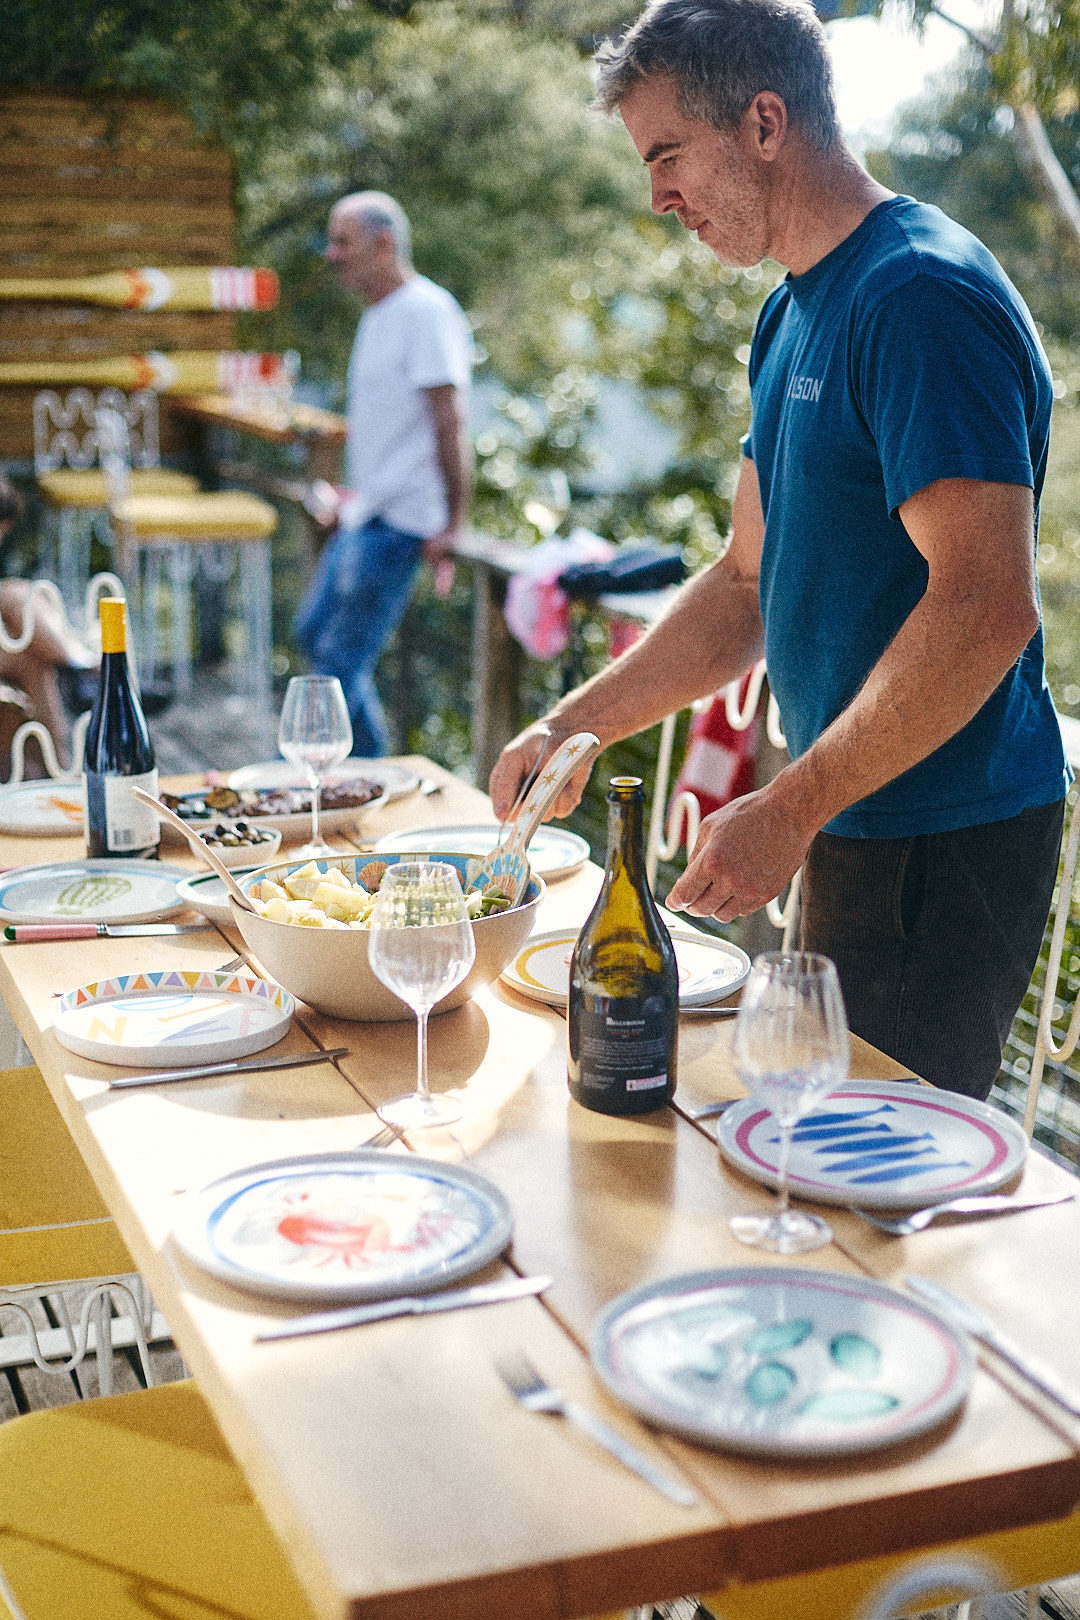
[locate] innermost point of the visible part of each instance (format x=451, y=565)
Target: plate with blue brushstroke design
x=775, y=1361
x=880, y=1144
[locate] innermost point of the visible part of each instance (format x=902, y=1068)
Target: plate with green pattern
x=779, y=1362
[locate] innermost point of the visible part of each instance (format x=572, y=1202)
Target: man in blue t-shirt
x=882, y=552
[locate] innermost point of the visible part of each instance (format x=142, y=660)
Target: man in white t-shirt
x=407, y=459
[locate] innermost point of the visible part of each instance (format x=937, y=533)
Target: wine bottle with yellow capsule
x=623, y=1014
x=119, y=754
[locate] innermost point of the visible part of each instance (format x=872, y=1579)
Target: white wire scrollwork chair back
x=685, y=811
x=66, y=432
x=1045, y=1045
x=104, y=584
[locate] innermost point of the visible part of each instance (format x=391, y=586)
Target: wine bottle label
x=624, y=1051
x=128, y=824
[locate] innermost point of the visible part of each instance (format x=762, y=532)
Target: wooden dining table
x=399, y=1474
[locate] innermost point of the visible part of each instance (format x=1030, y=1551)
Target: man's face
x=708, y=177
x=355, y=255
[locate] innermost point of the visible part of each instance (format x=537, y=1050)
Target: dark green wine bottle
x=623, y=1015
x=119, y=754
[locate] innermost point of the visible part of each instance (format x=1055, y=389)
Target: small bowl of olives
x=241, y=843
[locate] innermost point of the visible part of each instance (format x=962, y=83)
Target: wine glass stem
x=316, y=789
x=786, y=1132
x=421, y=1052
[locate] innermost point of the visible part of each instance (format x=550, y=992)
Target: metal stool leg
x=178, y=558
x=256, y=585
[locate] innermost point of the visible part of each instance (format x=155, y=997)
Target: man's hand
x=745, y=853
x=441, y=546
x=517, y=761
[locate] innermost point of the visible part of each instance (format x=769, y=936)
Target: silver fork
x=384, y=1138
x=920, y=1218
x=529, y=1388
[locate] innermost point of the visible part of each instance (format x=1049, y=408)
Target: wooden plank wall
x=90, y=183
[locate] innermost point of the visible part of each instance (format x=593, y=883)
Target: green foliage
x=239, y=69
x=954, y=148
x=484, y=134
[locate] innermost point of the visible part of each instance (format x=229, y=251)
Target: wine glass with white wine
x=315, y=732
x=420, y=946
x=791, y=1049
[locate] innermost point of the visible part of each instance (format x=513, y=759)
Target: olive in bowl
x=241, y=843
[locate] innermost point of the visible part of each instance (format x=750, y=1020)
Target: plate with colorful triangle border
x=170, y=1019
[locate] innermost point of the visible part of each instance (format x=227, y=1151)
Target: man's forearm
x=711, y=633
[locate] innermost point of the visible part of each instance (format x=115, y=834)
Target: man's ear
x=766, y=119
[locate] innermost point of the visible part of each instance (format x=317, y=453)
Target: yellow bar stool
x=133, y=1507
x=160, y=539
x=55, y=1232
x=74, y=487
x=161, y=536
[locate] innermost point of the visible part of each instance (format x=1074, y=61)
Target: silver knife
x=23, y=933
x=975, y=1323
x=455, y=1299
x=286, y=1060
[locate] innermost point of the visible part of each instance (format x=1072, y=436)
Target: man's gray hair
x=377, y=214
x=720, y=54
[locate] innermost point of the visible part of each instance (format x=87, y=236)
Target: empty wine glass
x=315, y=733
x=421, y=946
x=791, y=1050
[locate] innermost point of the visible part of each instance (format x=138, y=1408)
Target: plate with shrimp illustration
x=345, y=1226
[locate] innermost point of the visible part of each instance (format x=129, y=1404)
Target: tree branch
x=1036, y=156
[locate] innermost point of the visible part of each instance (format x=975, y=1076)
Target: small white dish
x=247, y=856
x=709, y=969
x=207, y=894
x=345, y=1226
x=172, y=1019
x=553, y=852
x=779, y=1362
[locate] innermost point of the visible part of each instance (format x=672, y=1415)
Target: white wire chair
x=684, y=814
x=1045, y=1044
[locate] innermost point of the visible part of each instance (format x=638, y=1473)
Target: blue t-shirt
x=902, y=357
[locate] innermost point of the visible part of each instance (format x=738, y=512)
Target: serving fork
x=1001, y=1204
x=528, y=1388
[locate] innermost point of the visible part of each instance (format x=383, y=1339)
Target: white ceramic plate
x=396, y=781
x=881, y=1144
x=291, y=827
x=553, y=853
x=345, y=1226
x=91, y=891
x=781, y=1362
x=208, y=895
x=42, y=809
x=709, y=969
x=171, y=1019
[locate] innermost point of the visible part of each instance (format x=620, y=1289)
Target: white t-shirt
x=415, y=338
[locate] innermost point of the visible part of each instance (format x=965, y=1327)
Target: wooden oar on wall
x=227, y=287
x=185, y=371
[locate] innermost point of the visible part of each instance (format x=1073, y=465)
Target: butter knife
x=974, y=1322
x=454, y=1299
x=23, y=933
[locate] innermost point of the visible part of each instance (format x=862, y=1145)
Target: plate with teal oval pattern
x=880, y=1144
x=780, y=1362
x=345, y=1226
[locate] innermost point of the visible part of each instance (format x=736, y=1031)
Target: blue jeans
x=363, y=583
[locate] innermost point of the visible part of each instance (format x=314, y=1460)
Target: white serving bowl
x=328, y=967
